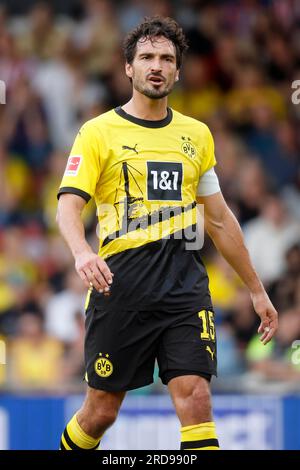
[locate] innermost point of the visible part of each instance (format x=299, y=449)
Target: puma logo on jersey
x=208, y=349
x=126, y=147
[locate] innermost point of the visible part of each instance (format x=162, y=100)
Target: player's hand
x=268, y=315
x=94, y=271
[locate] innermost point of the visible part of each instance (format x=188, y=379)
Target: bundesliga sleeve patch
x=73, y=165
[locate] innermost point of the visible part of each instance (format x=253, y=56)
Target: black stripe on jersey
x=145, y=122
x=70, y=190
x=199, y=444
x=154, y=218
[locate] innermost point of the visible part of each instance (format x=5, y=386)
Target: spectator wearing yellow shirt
x=35, y=359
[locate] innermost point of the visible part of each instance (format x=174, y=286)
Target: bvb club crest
x=103, y=366
x=188, y=148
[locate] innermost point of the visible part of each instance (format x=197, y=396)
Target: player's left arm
x=226, y=234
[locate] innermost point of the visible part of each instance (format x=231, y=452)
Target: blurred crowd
x=63, y=69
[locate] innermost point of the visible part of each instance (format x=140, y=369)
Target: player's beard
x=151, y=91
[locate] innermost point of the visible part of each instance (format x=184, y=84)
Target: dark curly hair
x=151, y=28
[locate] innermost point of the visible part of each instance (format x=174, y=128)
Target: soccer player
x=146, y=165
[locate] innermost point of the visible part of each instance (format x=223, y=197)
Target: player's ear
x=177, y=76
x=128, y=70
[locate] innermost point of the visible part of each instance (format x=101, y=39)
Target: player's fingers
x=272, y=327
x=263, y=325
x=106, y=272
x=268, y=336
x=265, y=334
x=100, y=277
x=84, y=278
x=93, y=279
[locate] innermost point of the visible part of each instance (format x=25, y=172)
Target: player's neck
x=143, y=107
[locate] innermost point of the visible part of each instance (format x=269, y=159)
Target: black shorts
x=121, y=345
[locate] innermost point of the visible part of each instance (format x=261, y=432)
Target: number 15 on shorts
x=208, y=325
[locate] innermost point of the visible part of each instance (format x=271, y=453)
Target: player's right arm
x=91, y=268
x=78, y=186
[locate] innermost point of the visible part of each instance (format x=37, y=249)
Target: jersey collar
x=145, y=122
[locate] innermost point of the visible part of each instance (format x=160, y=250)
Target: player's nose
x=156, y=66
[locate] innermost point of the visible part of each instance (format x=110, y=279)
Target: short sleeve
x=208, y=152
x=83, y=166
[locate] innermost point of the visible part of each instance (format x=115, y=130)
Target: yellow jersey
x=144, y=177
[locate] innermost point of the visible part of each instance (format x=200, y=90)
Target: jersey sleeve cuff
x=70, y=190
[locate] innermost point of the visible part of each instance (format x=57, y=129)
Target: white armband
x=208, y=183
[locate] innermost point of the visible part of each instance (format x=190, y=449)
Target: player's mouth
x=156, y=80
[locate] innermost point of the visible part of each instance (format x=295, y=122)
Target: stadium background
x=62, y=64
